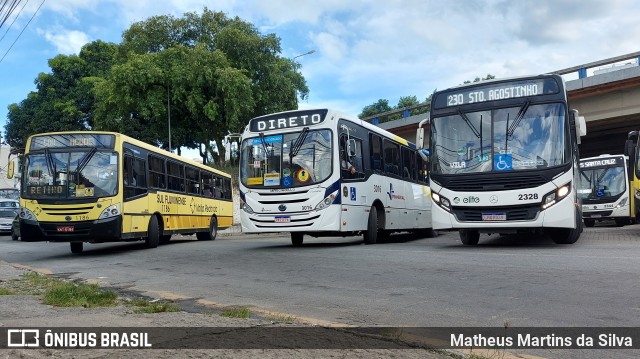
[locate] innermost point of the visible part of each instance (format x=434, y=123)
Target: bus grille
x=597, y=214
x=66, y=211
x=474, y=214
x=271, y=223
x=495, y=183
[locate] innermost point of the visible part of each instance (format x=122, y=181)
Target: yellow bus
x=97, y=187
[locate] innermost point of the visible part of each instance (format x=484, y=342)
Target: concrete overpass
x=608, y=98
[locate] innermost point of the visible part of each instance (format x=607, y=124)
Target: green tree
x=478, y=79
x=63, y=98
x=217, y=73
x=376, y=108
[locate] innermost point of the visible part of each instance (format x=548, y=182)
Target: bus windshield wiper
x=295, y=148
x=519, y=117
x=84, y=161
x=51, y=165
x=264, y=143
x=466, y=119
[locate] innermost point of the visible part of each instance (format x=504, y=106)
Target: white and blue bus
x=504, y=159
x=604, y=189
x=321, y=173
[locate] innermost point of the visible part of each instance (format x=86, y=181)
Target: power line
x=24, y=28
x=9, y=10
x=14, y=20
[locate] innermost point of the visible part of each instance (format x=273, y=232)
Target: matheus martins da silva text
x=604, y=340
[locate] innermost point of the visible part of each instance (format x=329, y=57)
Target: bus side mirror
x=351, y=147
x=424, y=154
x=420, y=138
x=11, y=169
x=628, y=148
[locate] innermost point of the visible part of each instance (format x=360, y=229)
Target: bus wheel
x=76, y=247
x=589, y=222
x=297, y=238
x=620, y=222
x=567, y=235
x=211, y=234
x=469, y=237
x=371, y=234
x=153, y=234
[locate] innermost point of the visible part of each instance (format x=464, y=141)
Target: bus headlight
x=245, y=207
x=326, y=202
x=27, y=215
x=111, y=211
x=555, y=196
x=623, y=202
x=441, y=201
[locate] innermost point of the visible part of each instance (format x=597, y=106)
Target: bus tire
x=76, y=247
x=153, y=233
x=589, y=222
x=567, y=235
x=620, y=222
x=371, y=234
x=469, y=237
x=211, y=234
x=297, y=238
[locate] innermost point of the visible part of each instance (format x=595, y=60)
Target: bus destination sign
x=496, y=91
x=614, y=161
x=287, y=120
x=72, y=140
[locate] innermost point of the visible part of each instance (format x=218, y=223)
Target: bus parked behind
x=604, y=189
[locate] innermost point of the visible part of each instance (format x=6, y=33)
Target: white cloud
x=66, y=41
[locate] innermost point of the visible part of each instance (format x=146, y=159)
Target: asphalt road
x=520, y=280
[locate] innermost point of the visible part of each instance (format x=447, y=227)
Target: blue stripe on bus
x=334, y=187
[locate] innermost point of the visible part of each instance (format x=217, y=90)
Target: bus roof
x=344, y=116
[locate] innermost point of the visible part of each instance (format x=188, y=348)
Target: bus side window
x=157, y=172
x=376, y=152
x=207, y=184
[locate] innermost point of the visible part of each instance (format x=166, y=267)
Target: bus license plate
x=283, y=219
x=66, y=228
x=494, y=216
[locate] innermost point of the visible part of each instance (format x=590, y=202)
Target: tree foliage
x=63, y=99
x=207, y=74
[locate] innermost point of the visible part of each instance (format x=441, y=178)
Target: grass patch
x=67, y=294
x=145, y=306
x=5, y=291
x=280, y=318
x=243, y=313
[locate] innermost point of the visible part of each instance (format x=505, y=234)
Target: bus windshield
x=602, y=182
x=66, y=175
x=288, y=160
x=500, y=140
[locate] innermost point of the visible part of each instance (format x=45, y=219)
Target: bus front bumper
x=105, y=230
x=555, y=216
x=327, y=219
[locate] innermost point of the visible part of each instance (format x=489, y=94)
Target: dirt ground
x=24, y=311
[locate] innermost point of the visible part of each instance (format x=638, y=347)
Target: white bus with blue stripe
x=322, y=173
x=504, y=159
x=604, y=189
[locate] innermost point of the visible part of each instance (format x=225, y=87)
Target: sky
x=365, y=50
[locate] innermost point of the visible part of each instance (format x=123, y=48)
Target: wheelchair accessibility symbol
x=502, y=162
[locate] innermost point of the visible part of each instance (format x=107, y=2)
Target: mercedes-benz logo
x=493, y=199
x=282, y=208
x=68, y=218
